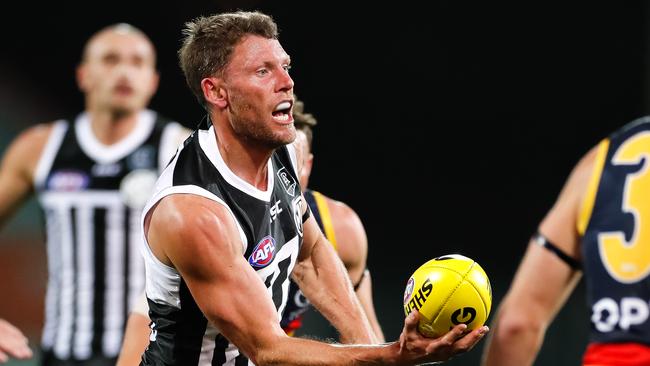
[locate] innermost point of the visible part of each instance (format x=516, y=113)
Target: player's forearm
x=136, y=339
x=506, y=351
x=512, y=342
x=364, y=294
x=314, y=353
x=325, y=282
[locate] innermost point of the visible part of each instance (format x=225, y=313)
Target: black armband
x=306, y=215
x=363, y=275
x=543, y=241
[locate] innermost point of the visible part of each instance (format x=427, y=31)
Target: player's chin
x=285, y=135
x=126, y=106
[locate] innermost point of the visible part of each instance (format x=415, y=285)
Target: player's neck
x=110, y=128
x=249, y=163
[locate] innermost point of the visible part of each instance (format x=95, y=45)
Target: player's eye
x=111, y=59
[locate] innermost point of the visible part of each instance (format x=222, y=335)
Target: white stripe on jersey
x=207, y=345
x=82, y=346
x=66, y=275
x=291, y=148
x=54, y=286
x=172, y=137
x=114, y=279
x=49, y=153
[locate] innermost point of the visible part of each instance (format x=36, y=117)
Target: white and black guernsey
x=91, y=197
x=270, y=227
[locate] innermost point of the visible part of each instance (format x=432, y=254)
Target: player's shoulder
x=187, y=225
x=186, y=213
x=30, y=143
x=38, y=134
x=349, y=232
x=338, y=209
x=25, y=151
x=347, y=224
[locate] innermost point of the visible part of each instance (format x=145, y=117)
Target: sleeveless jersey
x=270, y=227
x=615, y=228
x=297, y=303
x=90, y=195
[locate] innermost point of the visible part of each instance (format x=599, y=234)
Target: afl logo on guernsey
x=68, y=180
x=263, y=253
x=409, y=289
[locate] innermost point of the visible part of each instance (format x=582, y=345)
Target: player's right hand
x=12, y=343
x=416, y=348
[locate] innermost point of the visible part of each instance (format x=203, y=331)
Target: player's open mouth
x=282, y=112
x=123, y=90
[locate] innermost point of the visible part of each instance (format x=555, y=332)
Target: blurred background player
x=599, y=227
x=92, y=174
x=341, y=226
x=13, y=343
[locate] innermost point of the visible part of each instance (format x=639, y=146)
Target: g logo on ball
x=466, y=312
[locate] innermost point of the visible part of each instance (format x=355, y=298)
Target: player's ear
x=308, y=163
x=155, y=82
x=214, y=91
x=82, y=79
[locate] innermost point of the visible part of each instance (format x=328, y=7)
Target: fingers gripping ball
x=448, y=291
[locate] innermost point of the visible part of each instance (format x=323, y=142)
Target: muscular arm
x=17, y=168
x=353, y=251
x=543, y=282
x=200, y=239
x=323, y=279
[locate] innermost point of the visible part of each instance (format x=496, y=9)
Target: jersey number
x=629, y=261
x=283, y=267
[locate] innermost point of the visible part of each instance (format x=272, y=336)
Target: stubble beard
x=255, y=131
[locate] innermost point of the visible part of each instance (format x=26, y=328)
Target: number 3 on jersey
x=629, y=261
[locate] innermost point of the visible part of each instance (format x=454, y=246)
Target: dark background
x=449, y=127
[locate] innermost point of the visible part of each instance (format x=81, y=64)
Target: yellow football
x=447, y=291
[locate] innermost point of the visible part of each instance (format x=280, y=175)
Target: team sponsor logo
x=609, y=315
x=137, y=186
x=409, y=289
x=287, y=181
x=275, y=210
x=296, y=205
x=263, y=253
x=68, y=180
